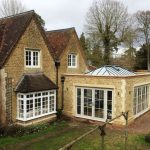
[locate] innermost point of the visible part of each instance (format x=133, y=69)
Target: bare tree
x=11, y=7
x=143, y=23
x=130, y=33
x=107, y=19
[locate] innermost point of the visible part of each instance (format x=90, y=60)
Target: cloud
x=71, y=13
x=61, y=13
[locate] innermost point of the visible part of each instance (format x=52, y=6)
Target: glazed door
x=99, y=104
x=87, y=102
x=94, y=103
x=109, y=104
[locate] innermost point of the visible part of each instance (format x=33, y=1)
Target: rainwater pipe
x=62, y=94
x=57, y=64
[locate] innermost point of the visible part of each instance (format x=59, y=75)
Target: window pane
x=28, y=58
x=140, y=101
x=32, y=58
x=45, y=105
x=99, y=103
x=35, y=58
x=51, y=103
x=69, y=60
x=72, y=60
x=78, y=101
x=29, y=108
x=88, y=102
x=21, y=108
x=37, y=106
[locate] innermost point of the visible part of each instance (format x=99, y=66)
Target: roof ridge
x=16, y=15
x=57, y=30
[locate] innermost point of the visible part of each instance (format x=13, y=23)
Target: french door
x=94, y=103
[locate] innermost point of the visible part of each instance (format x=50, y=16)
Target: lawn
x=60, y=133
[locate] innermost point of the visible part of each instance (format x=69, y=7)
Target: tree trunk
x=148, y=57
x=107, y=53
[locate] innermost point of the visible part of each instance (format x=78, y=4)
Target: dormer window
x=32, y=58
x=72, y=61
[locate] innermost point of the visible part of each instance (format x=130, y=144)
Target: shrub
x=15, y=130
x=147, y=138
x=2, y=131
x=59, y=113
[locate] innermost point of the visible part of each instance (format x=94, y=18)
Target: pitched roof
x=11, y=29
x=35, y=82
x=111, y=70
x=58, y=40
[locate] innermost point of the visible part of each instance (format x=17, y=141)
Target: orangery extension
x=105, y=93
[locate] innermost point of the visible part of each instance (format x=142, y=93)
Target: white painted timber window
x=94, y=103
x=32, y=58
x=72, y=61
x=141, y=98
x=34, y=105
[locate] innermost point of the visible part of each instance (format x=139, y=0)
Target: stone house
x=27, y=71
x=31, y=64
x=41, y=72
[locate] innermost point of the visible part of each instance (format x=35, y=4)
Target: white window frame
x=138, y=97
x=70, y=61
x=93, y=103
x=32, y=60
x=23, y=97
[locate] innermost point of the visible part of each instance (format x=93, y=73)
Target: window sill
x=72, y=67
x=36, y=117
x=32, y=67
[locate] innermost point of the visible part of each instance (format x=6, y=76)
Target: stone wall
x=15, y=65
x=122, y=86
x=73, y=47
x=130, y=84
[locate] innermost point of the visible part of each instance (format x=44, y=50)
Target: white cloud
x=61, y=13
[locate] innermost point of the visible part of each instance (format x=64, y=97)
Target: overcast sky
x=71, y=13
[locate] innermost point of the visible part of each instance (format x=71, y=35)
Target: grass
x=114, y=140
x=13, y=140
x=61, y=133
x=58, y=141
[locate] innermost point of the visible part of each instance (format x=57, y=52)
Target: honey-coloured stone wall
x=15, y=64
x=72, y=47
x=122, y=87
